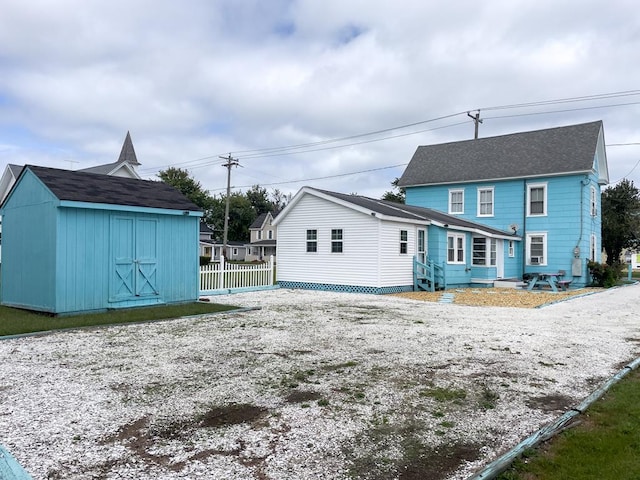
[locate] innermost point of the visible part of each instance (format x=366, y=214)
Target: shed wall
x=29, y=240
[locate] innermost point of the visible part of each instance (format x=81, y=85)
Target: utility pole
x=476, y=121
x=231, y=162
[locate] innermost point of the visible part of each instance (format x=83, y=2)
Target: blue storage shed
x=77, y=241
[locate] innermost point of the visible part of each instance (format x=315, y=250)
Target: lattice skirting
x=346, y=288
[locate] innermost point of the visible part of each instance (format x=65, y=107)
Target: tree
x=190, y=187
x=241, y=216
x=397, y=194
x=620, y=219
x=264, y=202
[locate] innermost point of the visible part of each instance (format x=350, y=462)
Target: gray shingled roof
x=400, y=210
x=79, y=186
x=552, y=151
x=257, y=223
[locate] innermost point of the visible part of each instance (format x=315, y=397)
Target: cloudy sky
x=350, y=87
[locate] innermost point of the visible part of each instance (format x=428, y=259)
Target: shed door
x=134, y=245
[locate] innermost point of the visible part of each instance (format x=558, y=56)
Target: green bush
x=205, y=260
x=603, y=275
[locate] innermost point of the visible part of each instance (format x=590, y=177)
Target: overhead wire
x=309, y=147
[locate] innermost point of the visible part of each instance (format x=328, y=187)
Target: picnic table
x=542, y=278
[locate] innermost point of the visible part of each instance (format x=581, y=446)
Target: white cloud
x=195, y=79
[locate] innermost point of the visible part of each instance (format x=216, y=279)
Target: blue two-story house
x=543, y=186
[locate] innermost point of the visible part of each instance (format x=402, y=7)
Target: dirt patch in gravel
x=499, y=297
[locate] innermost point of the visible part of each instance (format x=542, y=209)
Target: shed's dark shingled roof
x=528, y=154
x=400, y=210
x=94, y=188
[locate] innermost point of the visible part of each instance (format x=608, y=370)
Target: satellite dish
x=514, y=227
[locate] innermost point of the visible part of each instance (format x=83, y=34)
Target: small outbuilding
x=77, y=241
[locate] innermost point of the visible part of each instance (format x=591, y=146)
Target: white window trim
x=593, y=248
x=512, y=248
x=489, y=243
x=452, y=191
x=544, y=248
x=455, y=237
x=493, y=201
x=544, y=206
x=404, y=242
x=593, y=201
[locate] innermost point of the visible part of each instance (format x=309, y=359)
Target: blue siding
x=63, y=259
x=567, y=224
x=28, y=241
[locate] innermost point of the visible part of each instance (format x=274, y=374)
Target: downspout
x=524, y=225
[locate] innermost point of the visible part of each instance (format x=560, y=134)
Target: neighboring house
x=335, y=241
x=100, y=242
x=543, y=185
x=8, y=179
x=125, y=166
x=211, y=248
x=263, y=238
x=207, y=244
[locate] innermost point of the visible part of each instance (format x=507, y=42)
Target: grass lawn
x=14, y=321
x=606, y=446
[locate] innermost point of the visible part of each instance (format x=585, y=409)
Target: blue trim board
x=10, y=469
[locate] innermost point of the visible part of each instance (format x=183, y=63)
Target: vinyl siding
x=357, y=265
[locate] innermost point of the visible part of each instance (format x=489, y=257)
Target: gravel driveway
x=312, y=385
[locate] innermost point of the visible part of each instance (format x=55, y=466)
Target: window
x=512, y=248
x=455, y=248
x=235, y=252
x=485, y=251
x=592, y=248
x=259, y=234
x=593, y=202
x=456, y=201
x=336, y=241
x=312, y=241
x=537, y=199
x=403, y=242
x=270, y=234
x=485, y=202
x=536, y=249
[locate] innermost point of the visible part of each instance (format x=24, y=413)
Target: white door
x=422, y=245
x=500, y=259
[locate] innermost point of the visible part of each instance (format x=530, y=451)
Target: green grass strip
x=14, y=321
x=605, y=446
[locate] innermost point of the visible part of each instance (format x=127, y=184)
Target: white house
x=352, y=243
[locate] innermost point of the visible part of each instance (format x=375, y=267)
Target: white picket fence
x=223, y=276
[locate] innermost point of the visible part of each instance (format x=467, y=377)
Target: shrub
x=205, y=260
x=603, y=275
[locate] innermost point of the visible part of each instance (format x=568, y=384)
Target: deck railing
x=223, y=275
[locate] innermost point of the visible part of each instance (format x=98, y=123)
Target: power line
x=318, y=178
x=308, y=147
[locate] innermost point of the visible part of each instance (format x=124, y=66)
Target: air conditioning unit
x=535, y=260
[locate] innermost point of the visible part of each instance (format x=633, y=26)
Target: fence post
x=222, y=272
x=271, y=271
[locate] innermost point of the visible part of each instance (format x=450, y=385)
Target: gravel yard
x=311, y=385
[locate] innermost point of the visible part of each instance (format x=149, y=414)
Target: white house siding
x=357, y=265
x=396, y=268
